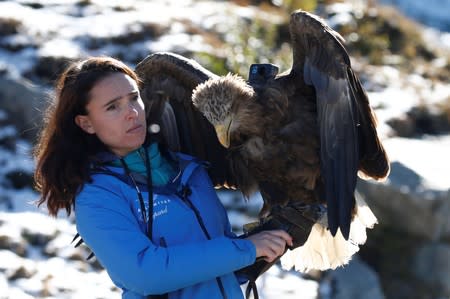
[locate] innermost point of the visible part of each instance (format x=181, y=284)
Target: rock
x=19, y=42
x=403, y=203
x=403, y=126
x=137, y=32
x=8, y=135
x=353, y=281
x=20, y=179
x=390, y=253
x=409, y=247
x=421, y=120
x=418, y=204
x=19, y=247
x=47, y=69
x=36, y=238
x=9, y=26
x=431, y=265
x=24, y=104
x=21, y=272
x=6, y=202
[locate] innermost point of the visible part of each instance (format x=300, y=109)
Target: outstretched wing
x=167, y=83
x=348, y=137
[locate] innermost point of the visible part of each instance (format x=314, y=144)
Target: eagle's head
x=222, y=101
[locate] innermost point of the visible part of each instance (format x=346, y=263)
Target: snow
x=428, y=156
x=58, y=29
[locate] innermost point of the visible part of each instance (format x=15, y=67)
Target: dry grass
x=9, y=26
x=383, y=31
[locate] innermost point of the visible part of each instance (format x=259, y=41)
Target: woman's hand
x=270, y=244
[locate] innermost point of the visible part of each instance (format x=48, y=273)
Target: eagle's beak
x=223, y=132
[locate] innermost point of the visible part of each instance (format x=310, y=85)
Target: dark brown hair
x=63, y=149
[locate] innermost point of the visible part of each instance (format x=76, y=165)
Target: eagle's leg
x=272, y=196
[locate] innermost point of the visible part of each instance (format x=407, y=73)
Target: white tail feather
x=322, y=251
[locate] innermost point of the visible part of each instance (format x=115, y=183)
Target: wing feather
x=168, y=80
x=348, y=138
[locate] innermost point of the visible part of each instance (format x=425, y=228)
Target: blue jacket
x=180, y=259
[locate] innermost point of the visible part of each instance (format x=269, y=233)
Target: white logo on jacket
x=160, y=212
x=160, y=207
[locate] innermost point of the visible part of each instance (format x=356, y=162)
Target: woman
x=94, y=156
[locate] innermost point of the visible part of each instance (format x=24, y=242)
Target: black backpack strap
x=251, y=286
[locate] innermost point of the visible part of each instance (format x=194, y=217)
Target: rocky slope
x=405, y=74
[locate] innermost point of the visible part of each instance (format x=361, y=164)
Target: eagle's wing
x=348, y=138
x=167, y=83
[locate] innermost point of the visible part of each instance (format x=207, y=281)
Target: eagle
x=302, y=136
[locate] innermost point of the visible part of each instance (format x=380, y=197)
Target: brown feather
x=299, y=138
x=304, y=135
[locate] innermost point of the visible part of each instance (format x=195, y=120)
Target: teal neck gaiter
x=162, y=171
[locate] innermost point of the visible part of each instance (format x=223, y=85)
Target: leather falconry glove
x=295, y=218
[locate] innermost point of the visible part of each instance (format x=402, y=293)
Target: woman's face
x=115, y=113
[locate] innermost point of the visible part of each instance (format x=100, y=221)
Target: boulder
x=24, y=103
x=410, y=248
x=431, y=265
x=353, y=281
x=418, y=204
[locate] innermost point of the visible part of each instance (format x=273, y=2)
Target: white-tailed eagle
x=299, y=137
